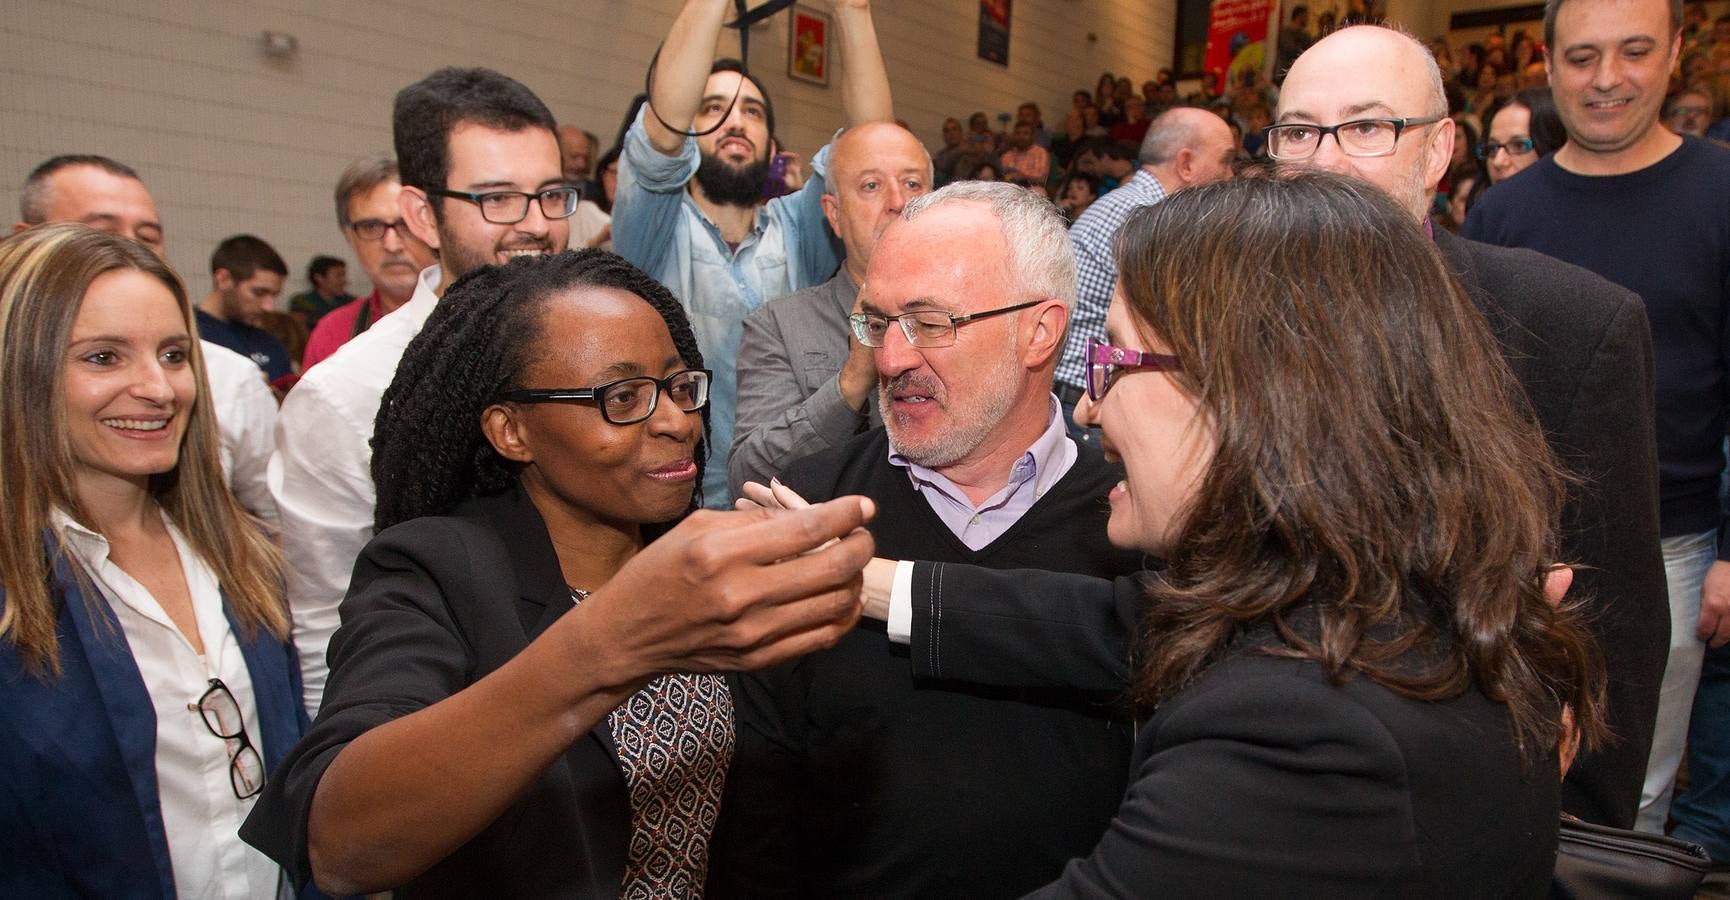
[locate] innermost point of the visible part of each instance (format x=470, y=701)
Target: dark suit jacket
x=79, y=808
x=1581, y=348
x=435, y=605
x=1262, y=779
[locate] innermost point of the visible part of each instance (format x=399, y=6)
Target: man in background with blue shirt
x=689, y=209
x=246, y=276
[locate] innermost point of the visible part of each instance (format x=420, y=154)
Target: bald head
x=874, y=170
x=1372, y=72
x=1187, y=146
x=577, y=150
x=95, y=191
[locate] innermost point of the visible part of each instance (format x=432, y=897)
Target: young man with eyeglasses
x=368, y=212
x=849, y=777
x=1649, y=209
x=690, y=208
x=481, y=182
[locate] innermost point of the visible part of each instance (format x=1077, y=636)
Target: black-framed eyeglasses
x=374, y=229
x=1515, y=147
x=1105, y=363
x=924, y=329
x=628, y=400
x=511, y=207
x=1359, y=137
x=221, y=714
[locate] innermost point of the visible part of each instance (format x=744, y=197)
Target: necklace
x=578, y=595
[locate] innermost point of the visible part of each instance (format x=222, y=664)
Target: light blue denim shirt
x=661, y=230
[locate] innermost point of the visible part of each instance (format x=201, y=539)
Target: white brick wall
x=231, y=141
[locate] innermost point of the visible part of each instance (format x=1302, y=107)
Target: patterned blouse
x=675, y=740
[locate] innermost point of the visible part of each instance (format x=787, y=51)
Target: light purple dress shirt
x=1050, y=457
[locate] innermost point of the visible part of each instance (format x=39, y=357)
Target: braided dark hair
x=428, y=451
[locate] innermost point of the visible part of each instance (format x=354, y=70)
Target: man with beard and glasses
x=850, y=778
x=482, y=183
x=689, y=208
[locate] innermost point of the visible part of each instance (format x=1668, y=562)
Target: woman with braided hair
x=489, y=728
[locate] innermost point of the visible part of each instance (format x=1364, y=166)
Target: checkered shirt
x=1094, y=237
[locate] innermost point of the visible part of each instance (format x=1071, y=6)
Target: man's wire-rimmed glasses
x=1359, y=137
x=1105, y=363
x=628, y=400
x=221, y=714
x=511, y=207
x=924, y=329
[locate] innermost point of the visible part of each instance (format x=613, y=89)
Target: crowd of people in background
x=682, y=516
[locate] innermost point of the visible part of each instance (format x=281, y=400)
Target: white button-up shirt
x=321, y=473
x=245, y=418
x=200, y=811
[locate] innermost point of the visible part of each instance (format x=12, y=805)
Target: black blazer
x=1262, y=779
x=1582, y=349
x=435, y=605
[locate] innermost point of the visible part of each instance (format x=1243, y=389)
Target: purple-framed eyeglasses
x=1105, y=363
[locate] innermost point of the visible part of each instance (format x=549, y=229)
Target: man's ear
x=222, y=280
x=507, y=432
x=832, y=212
x=1441, y=146
x=1050, y=320
x=1184, y=166
x=417, y=212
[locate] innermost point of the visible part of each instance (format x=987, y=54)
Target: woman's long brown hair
x=1381, y=495
x=44, y=274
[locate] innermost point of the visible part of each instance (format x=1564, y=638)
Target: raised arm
x=682, y=71
x=864, y=81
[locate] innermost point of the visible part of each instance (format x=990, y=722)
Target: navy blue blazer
x=79, y=813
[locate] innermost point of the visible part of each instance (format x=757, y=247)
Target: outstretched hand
x=730, y=591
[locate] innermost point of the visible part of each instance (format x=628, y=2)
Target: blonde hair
x=45, y=272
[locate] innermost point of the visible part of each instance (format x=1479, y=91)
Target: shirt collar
x=1045, y=460
x=81, y=538
x=88, y=542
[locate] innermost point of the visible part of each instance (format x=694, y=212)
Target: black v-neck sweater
x=853, y=778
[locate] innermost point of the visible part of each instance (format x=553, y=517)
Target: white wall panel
x=230, y=140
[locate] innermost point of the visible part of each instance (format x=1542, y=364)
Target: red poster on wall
x=1237, y=40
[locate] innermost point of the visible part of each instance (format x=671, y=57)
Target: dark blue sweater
x=253, y=343
x=1664, y=233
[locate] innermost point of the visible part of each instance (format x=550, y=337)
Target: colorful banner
x=994, y=31
x=1238, y=40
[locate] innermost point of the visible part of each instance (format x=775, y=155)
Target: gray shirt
x=789, y=382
